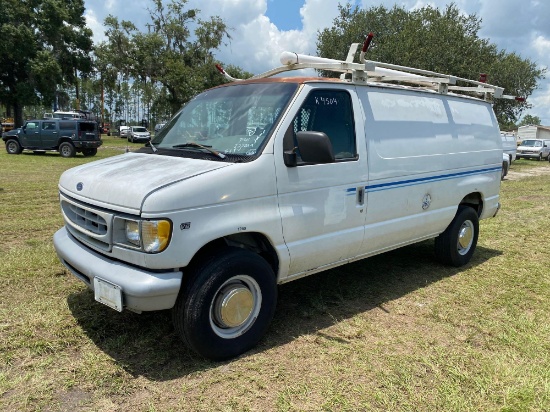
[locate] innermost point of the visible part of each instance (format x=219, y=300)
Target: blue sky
x=285, y=14
x=262, y=29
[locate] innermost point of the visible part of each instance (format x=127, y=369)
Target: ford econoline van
x=534, y=149
x=262, y=181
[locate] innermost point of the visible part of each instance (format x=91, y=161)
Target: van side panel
x=426, y=152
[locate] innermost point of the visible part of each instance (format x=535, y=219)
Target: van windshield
x=233, y=120
x=532, y=143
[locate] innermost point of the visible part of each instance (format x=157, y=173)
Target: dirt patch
x=535, y=171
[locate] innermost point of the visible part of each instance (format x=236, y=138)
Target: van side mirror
x=314, y=147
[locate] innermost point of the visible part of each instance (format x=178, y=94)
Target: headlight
x=132, y=232
x=155, y=235
x=152, y=236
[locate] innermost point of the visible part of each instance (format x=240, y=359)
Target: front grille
x=89, y=225
x=86, y=219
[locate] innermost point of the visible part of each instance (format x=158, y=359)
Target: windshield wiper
x=200, y=146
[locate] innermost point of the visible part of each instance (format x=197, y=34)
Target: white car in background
x=123, y=131
x=138, y=134
x=158, y=127
x=534, y=149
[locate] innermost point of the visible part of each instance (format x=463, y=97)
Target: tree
x=43, y=43
x=529, y=120
x=444, y=41
x=169, y=53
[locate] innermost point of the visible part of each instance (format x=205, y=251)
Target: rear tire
x=227, y=305
x=89, y=152
x=66, y=149
x=13, y=147
x=456, y=245
x=504, y=171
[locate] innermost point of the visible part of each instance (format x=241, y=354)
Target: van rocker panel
x=142, y=290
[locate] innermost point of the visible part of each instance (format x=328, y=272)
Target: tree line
x=47, y=56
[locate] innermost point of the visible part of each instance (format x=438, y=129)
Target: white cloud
x=95, y=25
x=257, y=42
x=542, y=46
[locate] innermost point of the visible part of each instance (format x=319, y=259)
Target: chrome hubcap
x=465, y=237
x=235, y=306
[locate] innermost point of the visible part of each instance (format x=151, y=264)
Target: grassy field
x=396, y=332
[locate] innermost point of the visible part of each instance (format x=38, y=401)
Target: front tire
x=227, y=305
x=66, y=149
x=13, y=147
x=456, y=245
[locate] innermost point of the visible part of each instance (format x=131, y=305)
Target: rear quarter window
x=87, y=127
x=67, y=125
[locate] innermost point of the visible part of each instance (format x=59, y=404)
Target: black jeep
x=67, y=136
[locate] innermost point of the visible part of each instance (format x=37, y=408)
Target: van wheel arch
x=252, y=241
x=473, y=200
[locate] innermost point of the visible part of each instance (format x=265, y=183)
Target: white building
x=533, y=132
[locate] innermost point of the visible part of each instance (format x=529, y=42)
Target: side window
x=67, y=125
x=330, y=112
x=48, y=125
x=32, y=125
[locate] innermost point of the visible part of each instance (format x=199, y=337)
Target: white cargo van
x=260, y=182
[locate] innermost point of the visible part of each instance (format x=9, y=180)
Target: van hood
x=123, y=182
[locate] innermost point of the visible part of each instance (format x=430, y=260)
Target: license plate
x=108, y=293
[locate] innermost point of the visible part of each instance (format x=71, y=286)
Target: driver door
x=323, y=206
x=31, y=134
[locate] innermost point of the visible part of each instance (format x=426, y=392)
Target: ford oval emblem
x=79, y=186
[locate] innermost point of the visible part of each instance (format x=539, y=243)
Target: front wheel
x=227, y=305
x=456, y=245
x=540, y=157
x=66, y=149
x=13, y=147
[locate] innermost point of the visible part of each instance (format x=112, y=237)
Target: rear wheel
x=504, y=170
x=228, y=304
x=66, y=149
x=456, y=245
x=89, y=152
x=13, y=147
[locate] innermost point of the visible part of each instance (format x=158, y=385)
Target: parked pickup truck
x=66, y=136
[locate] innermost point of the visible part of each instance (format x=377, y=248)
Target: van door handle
x=360, y=196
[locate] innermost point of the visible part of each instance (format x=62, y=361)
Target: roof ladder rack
x=368, y=71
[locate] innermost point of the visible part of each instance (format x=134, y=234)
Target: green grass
x=394, y=332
